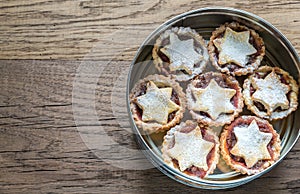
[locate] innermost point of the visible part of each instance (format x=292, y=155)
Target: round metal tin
x=279, y=52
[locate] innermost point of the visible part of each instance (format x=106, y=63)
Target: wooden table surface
x=63, y=68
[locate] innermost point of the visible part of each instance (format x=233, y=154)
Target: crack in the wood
x=39, y=170
x=282, y=4
x=20, y=118
x=7, y=106
x=52, y=105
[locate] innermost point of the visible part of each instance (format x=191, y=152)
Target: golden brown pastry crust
x=231, y=83
x=234, y=69
x=292, y=95
x=240, y=166
x=199, y=44
x=160, y=81
x=186, y=127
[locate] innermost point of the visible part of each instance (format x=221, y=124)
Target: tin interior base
x=279, y=52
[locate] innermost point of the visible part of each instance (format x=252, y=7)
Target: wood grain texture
x=41, y=29
x=41, y=149
x=43, y=44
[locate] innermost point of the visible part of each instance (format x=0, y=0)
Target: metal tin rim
x=151, y=155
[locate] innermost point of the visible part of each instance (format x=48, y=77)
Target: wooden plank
x=41, y=149
x=43, y=29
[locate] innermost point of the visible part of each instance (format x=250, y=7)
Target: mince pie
x=157, y=103
x=271, y=93
x=249, y=144
x=214, y=98
x=236, y=49
x=191, y=148
x=180, y=52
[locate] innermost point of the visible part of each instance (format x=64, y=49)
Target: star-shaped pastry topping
x=156, y=103
x=271, y=92
x=251, y=144
x=234, y=47
x=190, y=149
x=213, y=99
x=181, y=53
